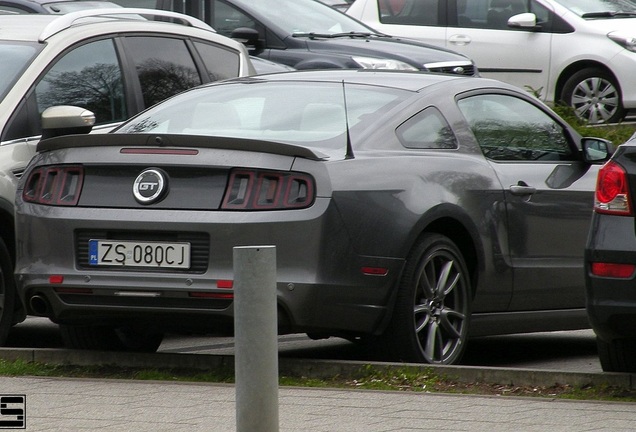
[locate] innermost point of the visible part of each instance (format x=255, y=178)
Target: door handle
x=459, y=39
x=522, y=189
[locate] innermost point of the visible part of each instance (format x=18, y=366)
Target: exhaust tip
x=40, y=305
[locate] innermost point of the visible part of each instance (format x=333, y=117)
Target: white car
x=581, y=52
x=112, y=63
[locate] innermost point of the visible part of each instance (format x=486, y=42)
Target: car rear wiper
x=312, y=35
x=608, y=14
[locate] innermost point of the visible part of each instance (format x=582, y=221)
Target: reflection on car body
x=390, y=222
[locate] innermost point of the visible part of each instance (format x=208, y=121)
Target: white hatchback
x=581, y=52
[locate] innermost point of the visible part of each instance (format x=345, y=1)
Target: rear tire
x=618, y=355
x=7, y=293
x=105, y=338
x=432, y=310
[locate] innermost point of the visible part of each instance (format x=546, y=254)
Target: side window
x=164, y=65
x=14, y=9
x=227, y=18
x=510, y=129
x=88, y=76
x=427, y=130
x=500, y=11
x=220, y=62
x=488, y=14
x=409, y=12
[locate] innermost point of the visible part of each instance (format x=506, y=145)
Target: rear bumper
x=321, y=287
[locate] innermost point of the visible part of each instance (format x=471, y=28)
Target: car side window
x=89, y=76
x=220, y=62
x=409, y=12
x=427, y=129
x=14, y=9
x=508, y=128
x=494, y=14
x=227, y=18
x=164, y=66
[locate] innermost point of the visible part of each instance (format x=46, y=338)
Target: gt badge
x=150, y=186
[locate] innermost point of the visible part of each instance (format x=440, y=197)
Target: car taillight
x=613, y=270
x=268, y=190
x=612, y=193
x=54, y=185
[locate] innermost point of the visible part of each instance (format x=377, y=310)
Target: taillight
x=268, y=190
x=54, y=185
x=612, y=190
x=613, y=270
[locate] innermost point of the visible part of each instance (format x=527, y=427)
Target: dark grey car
x=412, y=210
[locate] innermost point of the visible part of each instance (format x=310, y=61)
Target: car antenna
x=349, y=154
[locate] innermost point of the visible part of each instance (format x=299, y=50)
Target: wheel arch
x=7, y=227
x=454, y=223
x=576, y=67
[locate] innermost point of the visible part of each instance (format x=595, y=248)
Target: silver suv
x=112, y=63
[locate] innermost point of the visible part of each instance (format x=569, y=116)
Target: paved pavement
x=55, y=404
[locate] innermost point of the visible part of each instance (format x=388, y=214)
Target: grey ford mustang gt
x=411, y=210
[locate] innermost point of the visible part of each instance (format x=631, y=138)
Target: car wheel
x=618, y=355
x=7, y=293
x=594, y=95
x=105, y=338
x=432, y=309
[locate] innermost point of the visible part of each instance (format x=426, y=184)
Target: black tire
x=432, y=310
x=618, y=355
x=105, y=338
x=594, y=95
x=7, y=293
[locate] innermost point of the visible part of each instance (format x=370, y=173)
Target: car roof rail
x=67, y=20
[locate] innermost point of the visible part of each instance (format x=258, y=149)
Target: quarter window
x=427, y=130
x=221, y=63
x=511, y=129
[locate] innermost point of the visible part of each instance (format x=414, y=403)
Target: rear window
x=315, y=115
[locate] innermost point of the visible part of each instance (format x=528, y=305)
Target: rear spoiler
x=171, y=140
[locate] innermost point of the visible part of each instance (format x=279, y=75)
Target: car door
x=520, y=56
x=479, y=30
x=548, y=196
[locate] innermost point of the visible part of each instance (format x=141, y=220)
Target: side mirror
x=524, y=20
x=65, y=120
x=597, y=150
x=245, y=35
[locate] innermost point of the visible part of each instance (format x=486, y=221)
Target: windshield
x=309, y=114
x=590, y=8
x=15, y=57
x=306, y=16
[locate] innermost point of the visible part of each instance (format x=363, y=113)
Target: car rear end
x=610, y=259
x=128, y=229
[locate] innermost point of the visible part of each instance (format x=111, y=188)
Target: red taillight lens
x=612, y=192
x=623, y=271
x=268, y=190
x=54, y=185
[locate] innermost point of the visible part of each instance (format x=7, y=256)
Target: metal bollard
x=255, y=339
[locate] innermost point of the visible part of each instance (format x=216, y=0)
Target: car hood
x=612, y=24
x=406, y=50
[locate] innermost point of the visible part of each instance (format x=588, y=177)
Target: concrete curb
x=321, y=369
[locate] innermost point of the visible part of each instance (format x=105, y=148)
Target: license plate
x=139, y=254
